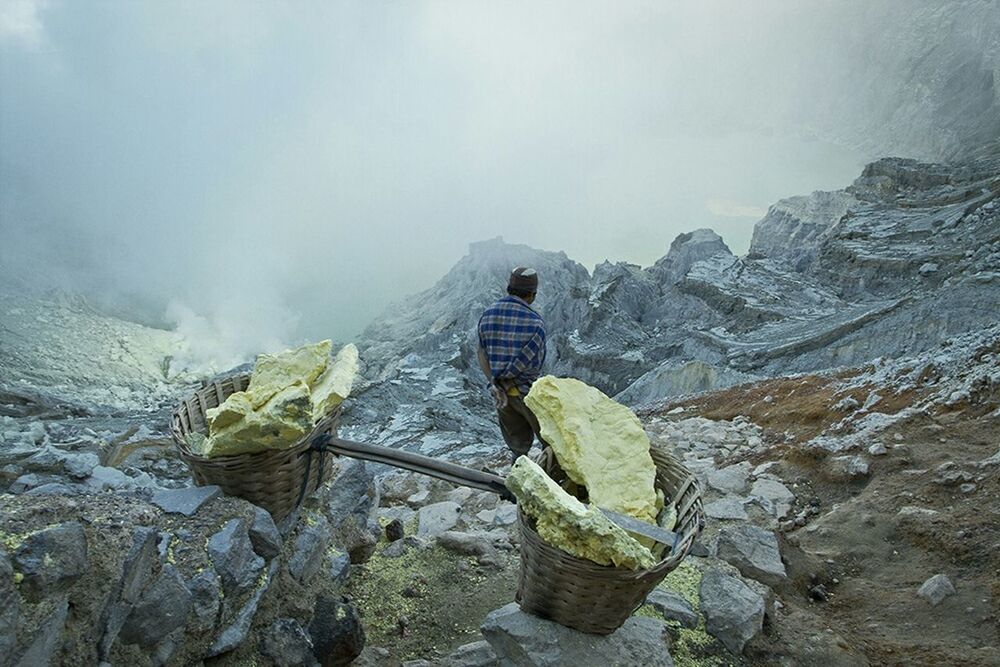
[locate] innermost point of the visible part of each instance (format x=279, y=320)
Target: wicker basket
x=276, y=480
x=593, y=598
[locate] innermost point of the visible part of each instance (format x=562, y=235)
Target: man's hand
x=499, y=396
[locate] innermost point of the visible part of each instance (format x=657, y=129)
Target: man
x=511, y=352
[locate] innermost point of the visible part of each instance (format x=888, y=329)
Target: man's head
x=523, y=283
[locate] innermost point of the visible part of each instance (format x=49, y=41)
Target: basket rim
x=177, y=426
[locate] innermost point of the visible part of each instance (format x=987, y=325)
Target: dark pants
x=518, y=426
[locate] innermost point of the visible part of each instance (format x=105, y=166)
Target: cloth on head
x=523, y=278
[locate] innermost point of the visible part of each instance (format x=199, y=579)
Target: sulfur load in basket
x=577, y=568
x=288, y=394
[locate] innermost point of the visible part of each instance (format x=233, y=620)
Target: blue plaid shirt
x=513, y=336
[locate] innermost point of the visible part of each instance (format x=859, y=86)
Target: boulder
x=264, y=534
x=162, y=608
x=140, y=560
x=477, y=544
x=186, y=501
x=337, y=634
x=44, y=643
x=731, y=479
x=673, y=607
x=351, y=501
x=936, y=589
x=476, y=654
x=52, y=560
x=206, y=599
x=729, y=508
x=234, y=559
x=287, y=644
x=773, y=496
x=310, y=545
x=523, y=640
x=236, y=632
x=436, y=518
x=753, y=551
x=734, y=613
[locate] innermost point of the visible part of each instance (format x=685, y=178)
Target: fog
x=265, y=172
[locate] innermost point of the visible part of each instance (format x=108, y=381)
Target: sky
x=264, y=171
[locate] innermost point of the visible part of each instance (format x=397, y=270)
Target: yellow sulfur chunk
x=599, y=443
x=274, y=372
x=278, y=424
x=566, y=523
x=334, y=385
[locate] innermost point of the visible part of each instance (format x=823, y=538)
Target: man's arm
x=529, y=358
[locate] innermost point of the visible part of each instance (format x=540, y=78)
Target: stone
x=234, y=559
x=773, y=496
x=394, y=530
x=753, y=551
x=673, y=607
x=51, y=560
x=45, y=642
x=137, y=569
x=936, y=589
x=264, y=534
x=54, y=489
x=206, y=599
x=586, y=430
x=476, y=654
x=878, y=449
x=10, y=606
x=351, y=501
x=337, y=634
x=104, y=477
x=236, y=632
x=728, y=508
x=287, y=644
x=470, y=544
x=162, y=608
x=523, y=640
x=848, y=468
x=436, y=518
x=307, y=553
x=79, y=466
x=566, y=523
x=186, y=501
x=731, y=479
x=505, y=514
x=734, y=613
x=927, y=268
x=340, y=567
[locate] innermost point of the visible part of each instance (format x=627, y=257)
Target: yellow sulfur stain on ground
x=564, y=522
x=599, y=443
x=288, y=393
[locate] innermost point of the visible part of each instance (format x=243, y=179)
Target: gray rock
x=137, y=570
x=162, y=608
x=753, y=551
x=307, y=553
x=351, y=502
x=234, y=559
x=728, y=508
x=523, y=640
x=80, y=466
x=773, y=496
x=32, y=481
x=206, y=599
x=878, y=449
x=731, y=479
x=927, y=268
x=673, y=607
x=288, y=644
x=10, y=606
x=476, y=654
x=436, y=518
x=53, y=489
x=936, y=589
x=471, y=544
x=45, y=643
x=505, y=514
x=186, y=501
x=734, y=613
x=264, y=534
x=847, y=468
x=337, y=634
x=236, y=632
x=394, y=530
x=52, y=560
x=104, y=477
x=340, y=567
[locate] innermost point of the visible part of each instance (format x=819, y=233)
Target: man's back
x=513, y=336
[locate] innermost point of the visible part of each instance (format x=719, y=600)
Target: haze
x=267, y=172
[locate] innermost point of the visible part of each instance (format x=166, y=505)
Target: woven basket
x=598, y=599
x=271, y=479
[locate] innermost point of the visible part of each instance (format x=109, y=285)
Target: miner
x=511, y=353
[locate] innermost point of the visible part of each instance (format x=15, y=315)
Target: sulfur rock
x=599, y=443
x=334, y=385
x=288, y=393
x=566, y=523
